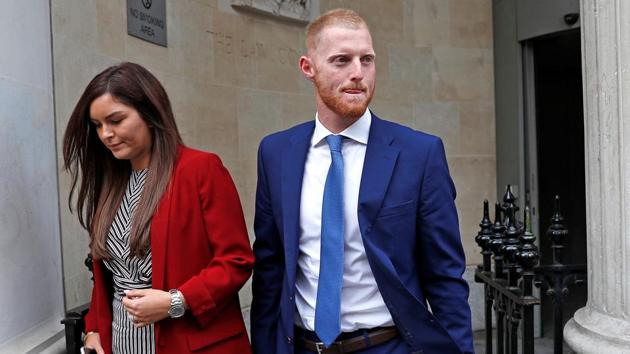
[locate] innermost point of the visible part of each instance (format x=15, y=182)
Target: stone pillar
x=603, y=326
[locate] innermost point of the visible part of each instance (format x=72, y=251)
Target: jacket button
x=290, y=298
x=289, y=340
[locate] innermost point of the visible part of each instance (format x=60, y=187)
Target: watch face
x=177, y=311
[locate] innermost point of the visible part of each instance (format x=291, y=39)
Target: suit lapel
x=378, y=166
x=293, y=159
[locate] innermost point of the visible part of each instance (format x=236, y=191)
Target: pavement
x=542, y=345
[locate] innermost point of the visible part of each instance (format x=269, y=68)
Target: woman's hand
x=93, y=341
x=147, y=306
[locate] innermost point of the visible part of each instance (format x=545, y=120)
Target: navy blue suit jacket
x=409, y=227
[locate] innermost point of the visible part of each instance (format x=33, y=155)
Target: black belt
x=362, y=340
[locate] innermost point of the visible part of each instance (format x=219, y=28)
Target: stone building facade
x=233, y=77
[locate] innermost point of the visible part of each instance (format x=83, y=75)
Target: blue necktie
x=327, y=318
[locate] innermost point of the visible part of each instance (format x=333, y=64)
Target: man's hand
x=147, y=306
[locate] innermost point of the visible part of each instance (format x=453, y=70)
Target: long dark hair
x=103, y=178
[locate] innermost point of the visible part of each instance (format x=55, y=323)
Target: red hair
x=337, y=17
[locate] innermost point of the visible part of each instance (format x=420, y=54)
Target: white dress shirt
x=362, y=305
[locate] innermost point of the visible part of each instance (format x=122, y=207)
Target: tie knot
x=335, y=142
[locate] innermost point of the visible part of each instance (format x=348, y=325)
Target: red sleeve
x=91, y=318
x=233, y=258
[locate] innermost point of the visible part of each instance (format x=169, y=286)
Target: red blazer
x=200, y=246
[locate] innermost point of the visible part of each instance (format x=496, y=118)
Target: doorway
x=559, y=140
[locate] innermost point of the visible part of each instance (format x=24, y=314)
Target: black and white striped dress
x=128, y=273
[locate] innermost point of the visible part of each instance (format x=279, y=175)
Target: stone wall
x=233, y=78
x=30, y=255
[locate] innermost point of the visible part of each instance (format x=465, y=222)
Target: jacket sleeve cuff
x=198, y=299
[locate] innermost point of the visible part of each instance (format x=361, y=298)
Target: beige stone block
x=111, y=27
x=430, y=22
x=74, y=247
x=278, y=49
x=259, y=114
x=77, y=288
x=206, y=116
x=210, y=3
x=149, y=55
x=188, y=42
x=381, y=50
x=217, y=130
x=75, y=19
x=244, y=173
x=297, y=108
x=409, y=74
x=62, y=113
x=326, y=5
x=75, y=243
x=475, y=180
x=468, y=225
x=399, y=112
x=470, y=23
x=385, y=19
x=306, y=87
x=233, y=49
x=438, y=118
x=462, y=74
x=476, y=129
x=408, y=26
x=187, y=110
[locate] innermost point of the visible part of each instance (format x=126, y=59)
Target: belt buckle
x=320, y=346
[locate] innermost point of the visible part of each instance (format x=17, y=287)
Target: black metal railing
x=508, y=286
x=74, y=323
x=556, y=278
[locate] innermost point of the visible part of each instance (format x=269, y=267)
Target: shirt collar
x=359, y=131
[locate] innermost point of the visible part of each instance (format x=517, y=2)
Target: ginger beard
x=338, y=101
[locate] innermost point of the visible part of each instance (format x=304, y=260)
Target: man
x=356, y=227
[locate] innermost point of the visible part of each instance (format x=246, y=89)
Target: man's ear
x=306, y=65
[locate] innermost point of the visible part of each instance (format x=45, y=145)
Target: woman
x=167, y=233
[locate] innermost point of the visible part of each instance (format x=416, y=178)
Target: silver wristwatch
x=177, y=304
